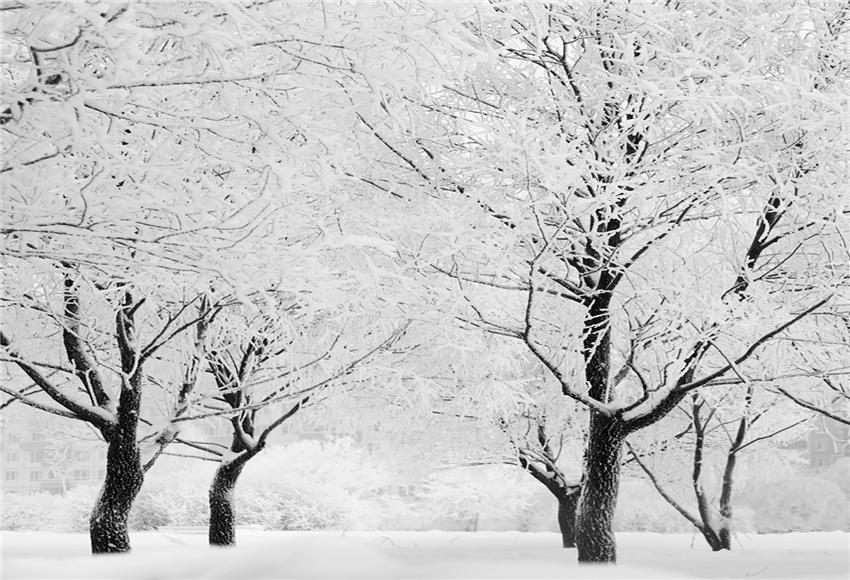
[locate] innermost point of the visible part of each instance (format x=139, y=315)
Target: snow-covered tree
x=266, y=368
x=680, y=158
x=99, y=341
x=144, y=157
x=720, y=431
x=530, y=425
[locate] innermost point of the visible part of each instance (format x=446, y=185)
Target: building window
x=12, y=457
x=14, y=438
x=83, y=455
x=820, y=445
x=10, y=475
x=37, y=456
x=80, y=474
x=35, y=475
x=39, y=436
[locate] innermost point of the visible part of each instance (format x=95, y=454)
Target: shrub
x=272, y=505
x=179, y=504
x=75, y=508
x=29, y=511
x=641, y=509
x=800, y=504
x=276, y=507
x=839, y=474
x=149, y=512
x=493, y=497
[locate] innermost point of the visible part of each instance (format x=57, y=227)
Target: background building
x=38, y=458
x=828, y=442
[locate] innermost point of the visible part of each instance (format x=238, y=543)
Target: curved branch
x=98, y=417
x=813, y=407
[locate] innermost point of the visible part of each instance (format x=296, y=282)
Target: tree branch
x=98, y=417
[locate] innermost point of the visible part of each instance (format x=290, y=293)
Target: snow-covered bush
x=149, y=512
x=276, y=507
x=183, y=502
x=302, y=485
x=641, y=509
x=330, y=480
x=839, y=474
x=476, y=498
x=390, y=513
x=28, y=511
x=800, y=504
x=75, y=508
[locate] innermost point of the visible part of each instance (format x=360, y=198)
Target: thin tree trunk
x=594, y=522
x=553, y=480
x=701, y=523
x=222, y=530
x=723, y=529
x=567, y=507
x=707, y=528
x=124, y=476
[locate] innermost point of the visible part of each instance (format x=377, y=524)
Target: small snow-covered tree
x=534, y=430
x=720, y=431
x=109, y=342
x=268, y=367
x=465, y=494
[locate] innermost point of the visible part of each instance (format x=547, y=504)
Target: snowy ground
x=183, y=554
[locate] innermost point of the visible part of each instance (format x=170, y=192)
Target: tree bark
x=567, y=507
x=594, y=522
x=595, y=518
x=124, y=471
x=124, y=476
x=707, y=528
x=724, y=533
x=222, y=530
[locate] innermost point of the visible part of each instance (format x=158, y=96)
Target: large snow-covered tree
x=681, y=158
x=642, y=189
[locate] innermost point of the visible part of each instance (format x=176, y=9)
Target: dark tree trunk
x=711, y=538
x=567, y=506
x=595, y=518
x=706, y=527
x=594, y=521
x=124, y=476
x=222, y=508
x=124, y=472
x=725, y=538
x=724, y=534
x=552, y=479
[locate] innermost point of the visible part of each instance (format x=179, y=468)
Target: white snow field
x=184, y=554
